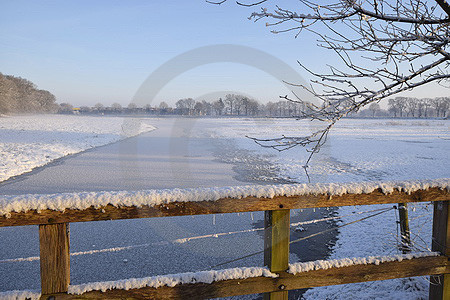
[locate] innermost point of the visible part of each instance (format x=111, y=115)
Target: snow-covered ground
x=357, y=150
x=31, y=141
x=363, y=150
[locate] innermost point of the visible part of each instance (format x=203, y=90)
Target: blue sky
x=102, y=51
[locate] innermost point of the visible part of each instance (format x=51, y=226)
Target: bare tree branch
x=384, y=48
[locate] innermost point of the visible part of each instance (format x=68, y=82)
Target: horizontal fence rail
x=235, y=287
x=55, y=256
x=223, y=205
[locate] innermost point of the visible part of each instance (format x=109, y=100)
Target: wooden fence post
x=405, y=238
x=276, y=246
x=55, y=258
x=440, y=285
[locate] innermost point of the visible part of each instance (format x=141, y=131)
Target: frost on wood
x=346, y=262
x=218, y=275
x=173, y=280
x=81, y=201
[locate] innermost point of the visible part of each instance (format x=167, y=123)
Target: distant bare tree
x=411, y=106
x=116, y=107
x=374, y=108
x=99, y=107
x=420, y=107
x=206, y=108
x=65, y=108
x=198, y=108
x=163, y=105
x=253, y=107
x=441, y=106
x=132, y=106
x=384, y=47
x=218, y=106
x=229, y=102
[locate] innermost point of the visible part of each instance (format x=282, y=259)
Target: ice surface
x=27, y=142
x=357, y=151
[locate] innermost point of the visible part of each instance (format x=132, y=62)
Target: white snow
x=173, y=279
x=361, y=150
x=346, y=262
x=357, y=151
x=170, y=280
x=378, y=236
x=63, y=201
x=30, y=141
x=20, y=295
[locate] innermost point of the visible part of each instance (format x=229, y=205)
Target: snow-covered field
x=363, y=150
x=357, y=150
x=31, y=141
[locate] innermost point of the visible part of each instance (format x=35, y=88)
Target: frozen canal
x=214, y=152
x=180, y=153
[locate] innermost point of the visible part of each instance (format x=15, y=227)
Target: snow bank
x=346, y=262
x=27, y=142
x=173, y=279
x=61, y=202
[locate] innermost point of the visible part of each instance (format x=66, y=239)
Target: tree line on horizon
x=410, y=107
x=239, y=105
x=19, y=95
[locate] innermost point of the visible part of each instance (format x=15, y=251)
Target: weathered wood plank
x=54, y=258
x=404, y=228
x=226, y=205
x=357, y=273
x=440, y=285
x=276, y=246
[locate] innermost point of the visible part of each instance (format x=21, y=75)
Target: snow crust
x=357, y=151
x=31, y=141
x=173, y=279
x=63, y=201
x=360, y=150
x=346, y=262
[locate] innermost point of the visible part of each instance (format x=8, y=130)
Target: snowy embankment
x=357, y=151
x=173, y=280
x=362, y=150
x=27, y=142
x=81, y=201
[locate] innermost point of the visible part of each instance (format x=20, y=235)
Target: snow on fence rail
x=95, y=206
x=53, y=213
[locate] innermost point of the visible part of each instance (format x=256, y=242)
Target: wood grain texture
x=357, y=273
x=226, y=205
x=54, y=258
x=404, y=228
x=276, y=246
x=440, y=285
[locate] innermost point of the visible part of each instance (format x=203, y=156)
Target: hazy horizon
x=85, y=53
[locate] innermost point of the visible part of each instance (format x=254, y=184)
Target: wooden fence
x=55, y=262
